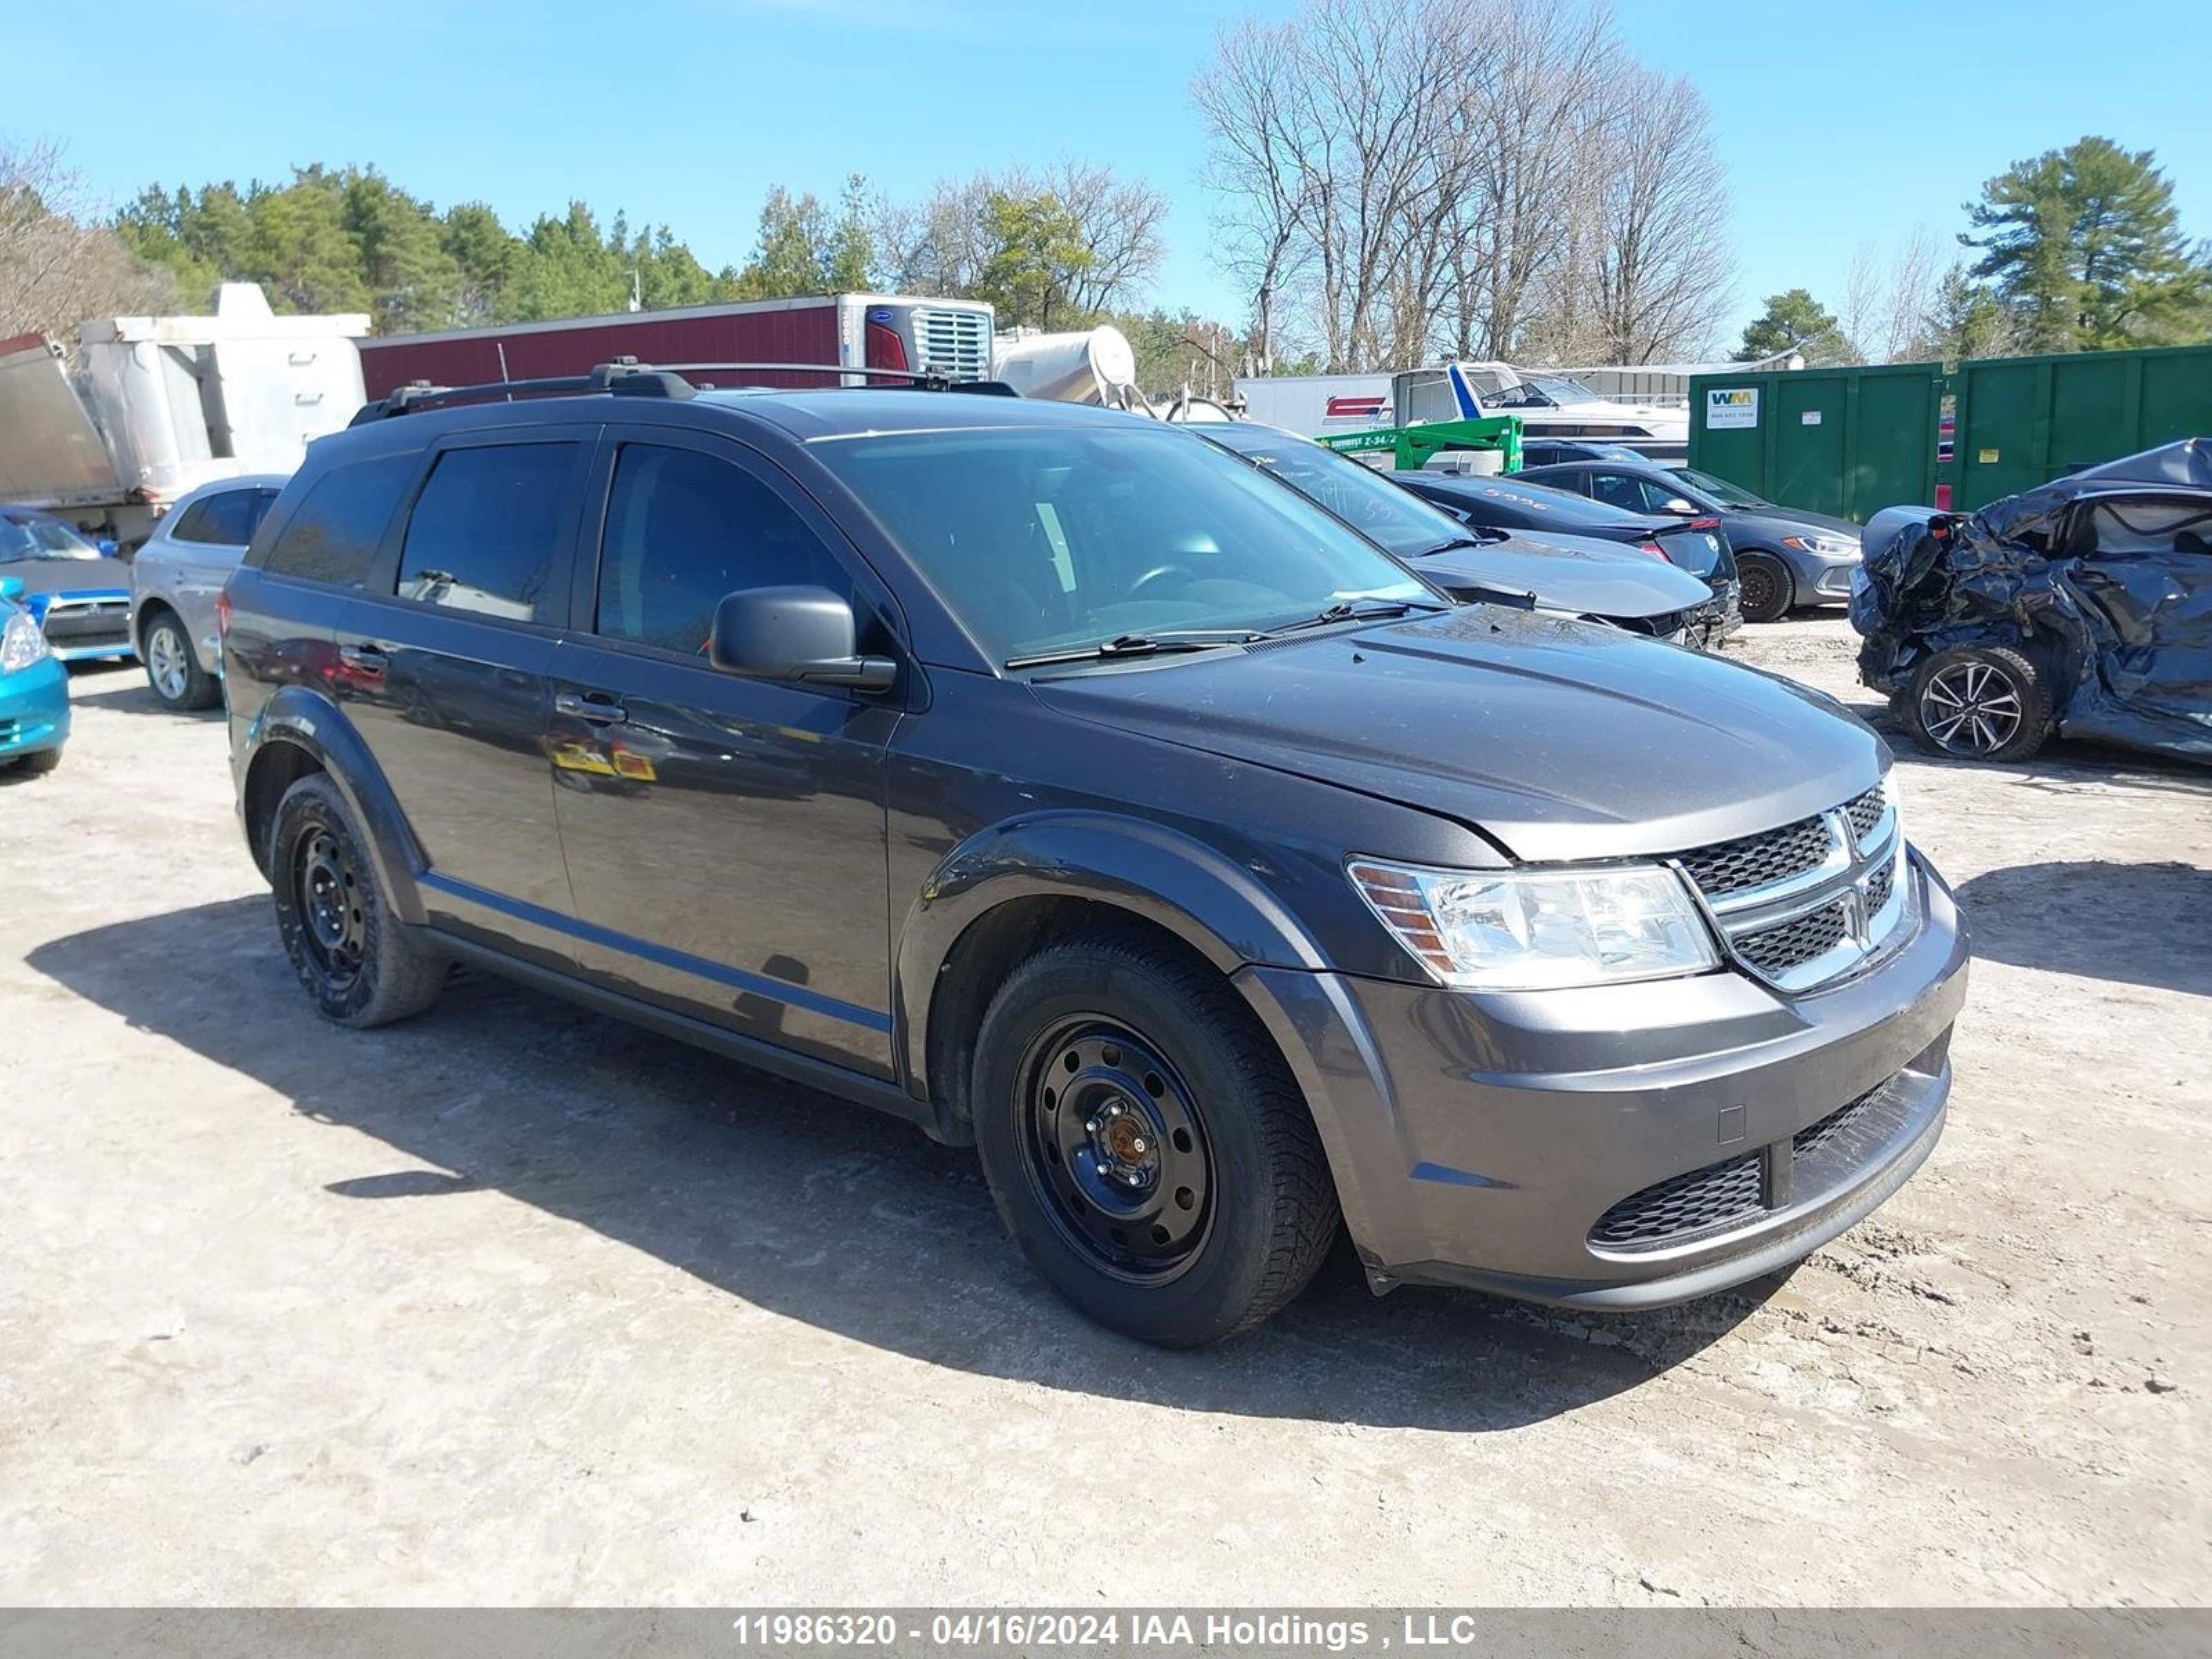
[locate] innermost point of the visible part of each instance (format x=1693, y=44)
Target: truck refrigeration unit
x=149, y=408
x=886, y=331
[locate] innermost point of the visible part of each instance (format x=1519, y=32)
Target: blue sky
x=1839, y=125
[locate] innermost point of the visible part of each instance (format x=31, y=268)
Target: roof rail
x=625, y=377
x=918, y=379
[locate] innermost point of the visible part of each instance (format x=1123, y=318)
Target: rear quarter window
x=333, y=535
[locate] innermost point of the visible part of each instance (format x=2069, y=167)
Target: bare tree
x=1663, y=267
x=1120, y=222
x=59, y=262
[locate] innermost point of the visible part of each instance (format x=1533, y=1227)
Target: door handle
x=369, y=659
x=596, y=706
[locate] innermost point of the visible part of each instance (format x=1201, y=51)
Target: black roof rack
x=920, y=380
x=625, y=377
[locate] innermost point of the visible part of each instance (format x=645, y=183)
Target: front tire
x=1985, y=702
x=172, y=670
x=1765, y=590
x=38, y=763
x=1149, y=1151
x=358, y=963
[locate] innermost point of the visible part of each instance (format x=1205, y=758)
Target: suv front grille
x=1736, y=866
x=1805, y=903
x=1793, y=944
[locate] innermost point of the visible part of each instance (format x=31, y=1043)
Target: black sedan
x=1788, y=557
x=1699, y=546
x=1544, y=571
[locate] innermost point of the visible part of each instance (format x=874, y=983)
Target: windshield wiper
x=1361, y=611
x=1142, y=645
x=1487, y=538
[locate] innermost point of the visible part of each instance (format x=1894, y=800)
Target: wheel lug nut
x=1093, y=1126
x=1137, y=1145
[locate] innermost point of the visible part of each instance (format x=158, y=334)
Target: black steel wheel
x=1764, y=587
x=358, y=963
x=1115, y=1148
x=1980, y=703
x=1147, y=1148
x=327, y=888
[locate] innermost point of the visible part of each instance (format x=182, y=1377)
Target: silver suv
x=176, y=577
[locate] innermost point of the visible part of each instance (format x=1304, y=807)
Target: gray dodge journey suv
x=1051, y=779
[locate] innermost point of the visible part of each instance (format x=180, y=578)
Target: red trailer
x=873, y=331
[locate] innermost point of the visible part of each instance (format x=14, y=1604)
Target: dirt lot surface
x=512, y=1303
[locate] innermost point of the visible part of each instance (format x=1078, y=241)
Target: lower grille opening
x=1733, y=1192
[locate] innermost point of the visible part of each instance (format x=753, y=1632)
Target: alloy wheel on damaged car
x=1972, y=707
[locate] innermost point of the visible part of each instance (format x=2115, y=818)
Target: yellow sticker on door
x=1986, y=457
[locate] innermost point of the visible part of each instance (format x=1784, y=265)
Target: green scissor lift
x=1412, y=446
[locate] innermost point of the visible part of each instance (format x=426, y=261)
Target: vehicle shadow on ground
x=2144, y=924
x=129, y=694
x=819, y=1210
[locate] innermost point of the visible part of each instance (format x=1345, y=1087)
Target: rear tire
x=1149, y=1151
x=359, y=963
x=172, y=670
x=1985, y=702
x=1767, y=590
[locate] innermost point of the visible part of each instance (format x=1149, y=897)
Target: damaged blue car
x=2082, y=608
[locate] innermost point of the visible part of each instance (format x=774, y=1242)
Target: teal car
x=35, y=708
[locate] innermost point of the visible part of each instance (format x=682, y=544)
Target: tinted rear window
x=226, y=518
x=1531, y=506
x=333, y=535
x=482, y=533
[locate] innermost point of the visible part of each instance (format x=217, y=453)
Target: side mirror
x=800, y=635
x=1680, y=507
x=11, y=587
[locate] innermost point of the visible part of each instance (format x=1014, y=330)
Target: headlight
x=1540, y=930
x=1824, y=547
x=21, y=643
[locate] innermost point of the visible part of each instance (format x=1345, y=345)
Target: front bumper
x=34, y=709
x=1832, y=583
x=1483, y=1140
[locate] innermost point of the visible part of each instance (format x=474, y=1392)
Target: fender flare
x=1194, y=891
x=307, y=720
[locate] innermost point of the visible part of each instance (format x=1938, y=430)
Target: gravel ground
x=515, y=1305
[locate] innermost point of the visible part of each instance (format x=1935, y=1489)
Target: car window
x=1050, y=538
x=34, y=538
x=683, y=529
x=2125, y=527
x=1518, y=504
x=1620, y=489
x=226, y=518
x=333, y=535
x=1358, y=494
x=483, y=534
x=190, y=525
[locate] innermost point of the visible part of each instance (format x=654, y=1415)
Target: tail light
x=223, y=616
x=1706, y=524
x=1655, y=550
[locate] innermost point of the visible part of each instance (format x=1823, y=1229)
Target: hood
x=1557, y=739
x=68, y=575
x=1790, y=520
x=1578, y=573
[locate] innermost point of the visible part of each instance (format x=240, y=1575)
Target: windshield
x=41, y=539
x=1358, y=494
x=1720, y=489
x=1540, y=391
x=1050, y=538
